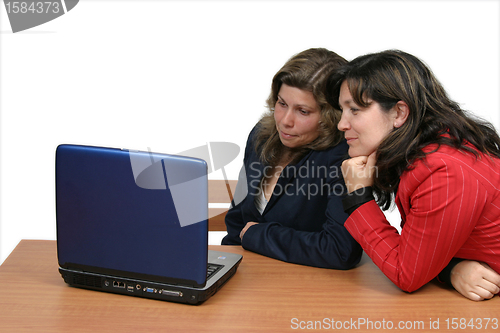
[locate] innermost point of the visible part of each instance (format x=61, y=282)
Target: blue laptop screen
x=137, y=214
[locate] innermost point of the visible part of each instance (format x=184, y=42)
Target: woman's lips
x=286, y=135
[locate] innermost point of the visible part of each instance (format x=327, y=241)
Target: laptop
x=136, y=223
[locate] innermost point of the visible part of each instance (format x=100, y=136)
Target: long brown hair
x=391, y=76
x=307, y=70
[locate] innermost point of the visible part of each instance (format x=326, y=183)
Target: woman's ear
x=402, y=112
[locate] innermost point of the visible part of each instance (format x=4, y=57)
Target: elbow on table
x=350, y=260
x=408, y=286
x=406, y=279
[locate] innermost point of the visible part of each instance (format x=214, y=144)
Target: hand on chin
x=359, y=171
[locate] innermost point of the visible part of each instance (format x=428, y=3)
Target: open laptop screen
x=136, y=214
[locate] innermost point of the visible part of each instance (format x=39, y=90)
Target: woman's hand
x=475, y=280
x=359, y=171
x=248, y=225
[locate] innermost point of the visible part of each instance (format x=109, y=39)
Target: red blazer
x=450, y=207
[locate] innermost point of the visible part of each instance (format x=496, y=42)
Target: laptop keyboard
x=212, y=269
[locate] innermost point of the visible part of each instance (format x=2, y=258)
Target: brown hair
x=307, y=70
x=392, y=76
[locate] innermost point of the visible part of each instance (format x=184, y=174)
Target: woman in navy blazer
x=288, y=201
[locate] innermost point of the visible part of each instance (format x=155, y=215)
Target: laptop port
x=171, y=293
x=118, y=284
x=130, y=288
x=149, y=290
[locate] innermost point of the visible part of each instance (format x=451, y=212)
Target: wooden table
x=265, y=295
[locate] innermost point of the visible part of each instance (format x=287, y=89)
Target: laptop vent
x=88, y=281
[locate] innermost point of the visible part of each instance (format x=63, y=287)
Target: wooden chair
x=219, y=191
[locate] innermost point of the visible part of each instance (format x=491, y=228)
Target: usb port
x=130, y=288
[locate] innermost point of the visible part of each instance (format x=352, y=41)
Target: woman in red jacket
x=408, y=141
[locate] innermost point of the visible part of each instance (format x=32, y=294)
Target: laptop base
x=148, y=289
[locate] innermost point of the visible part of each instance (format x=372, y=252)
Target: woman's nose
x=343, y=124
x=288, y=118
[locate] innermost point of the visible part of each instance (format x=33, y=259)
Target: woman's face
x=365, y=128
x=297, y=116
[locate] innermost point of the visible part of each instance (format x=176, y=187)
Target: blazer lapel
x=288, y=175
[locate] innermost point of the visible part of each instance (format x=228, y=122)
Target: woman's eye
x=304, y=112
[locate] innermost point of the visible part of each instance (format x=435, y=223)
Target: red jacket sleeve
x=440, y=203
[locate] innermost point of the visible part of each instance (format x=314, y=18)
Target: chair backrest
x=220, y=193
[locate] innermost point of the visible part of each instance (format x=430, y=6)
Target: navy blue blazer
x=303, y=222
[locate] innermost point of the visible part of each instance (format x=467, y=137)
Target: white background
x=173, y=75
